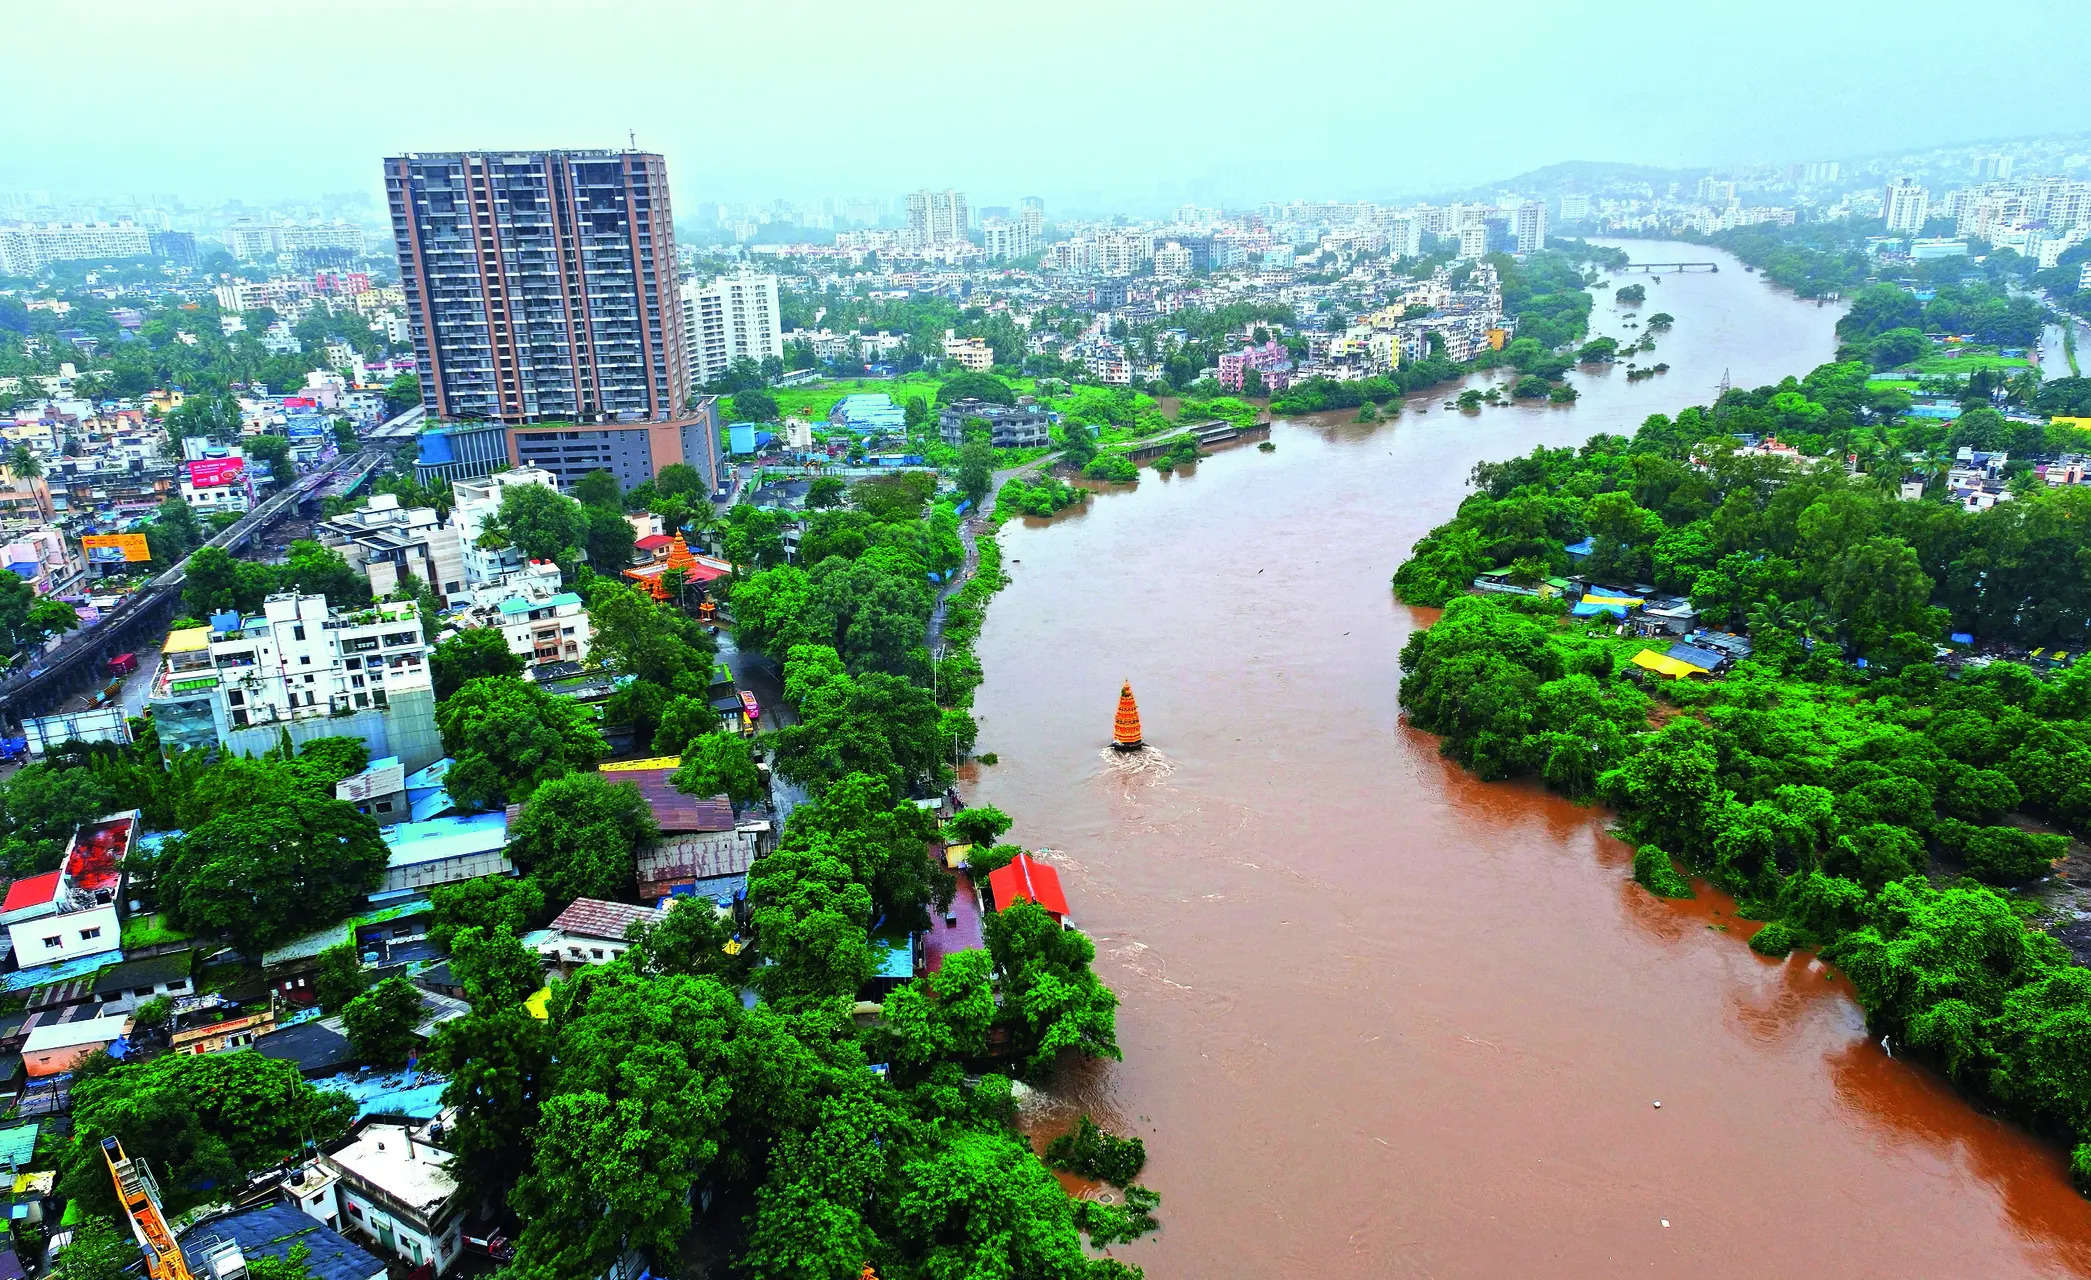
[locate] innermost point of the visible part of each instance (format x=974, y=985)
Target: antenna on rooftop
x=632, y=136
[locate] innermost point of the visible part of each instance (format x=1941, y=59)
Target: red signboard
x=300, y=402
x=207, y=473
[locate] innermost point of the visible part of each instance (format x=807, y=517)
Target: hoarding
x=104, y=724
x=205, y=473
x=110, y=548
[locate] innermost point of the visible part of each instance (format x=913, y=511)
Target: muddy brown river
x=1382, y=1020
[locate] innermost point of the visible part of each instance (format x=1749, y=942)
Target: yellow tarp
x=657, y=762
x=187, y=640
x=539, y=1004
x=955, y=855
x=1664, y=664
x=1624, y=602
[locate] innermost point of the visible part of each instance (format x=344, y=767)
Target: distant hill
x=1576, y=175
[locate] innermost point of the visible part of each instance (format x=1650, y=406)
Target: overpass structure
x=50, y=678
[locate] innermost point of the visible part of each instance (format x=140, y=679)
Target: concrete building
x=221, y=1247
x=633, y=452
x=444, y=851
x=972, y=354
x=1023, y=425
x=1994, y=167
x=474, y=504
x=1007, y=239
x=301, y=669
x=460, y=450
x=938, y=217
x=25, y=247
x=1473, y=241
x=591, y=931
x=1904, y=206
x=539, y=624
x=395, y=1189
x=388, y=542
x=1529, y=225
x=58, y=1047
x=732, y=318
x=1172, y=261
x=70, y=913
x=540, y=285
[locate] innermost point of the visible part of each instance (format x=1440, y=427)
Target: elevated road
x=77, y=663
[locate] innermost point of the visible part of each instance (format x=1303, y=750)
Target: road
x=758, y=675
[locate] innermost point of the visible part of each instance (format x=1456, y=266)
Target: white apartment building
x=399, y=1191
x=1529, y=224
x=388, y=541
x=730, y=318
x=1007, y=240
x=24, y=247
x=1904, y=206
x=1121, y=253
x=1473, y=241
x=540, y=624
x=303, y=669
x=938, y=217
x=476, y=502
x=1172, y=262
x=1575, y=207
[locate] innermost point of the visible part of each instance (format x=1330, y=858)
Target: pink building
x=1271, y=360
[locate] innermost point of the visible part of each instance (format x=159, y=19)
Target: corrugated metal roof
x=411, y=843
x=595, y=918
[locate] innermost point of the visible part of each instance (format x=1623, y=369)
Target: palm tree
x=25, y=464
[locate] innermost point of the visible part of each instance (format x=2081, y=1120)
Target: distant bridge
x=1671, y=266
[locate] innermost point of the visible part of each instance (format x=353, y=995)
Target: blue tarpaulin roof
x=1591, y=608
x=1704, y=659
x=1583, y=548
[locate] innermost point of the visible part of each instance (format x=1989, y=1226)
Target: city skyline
x=1681, y=89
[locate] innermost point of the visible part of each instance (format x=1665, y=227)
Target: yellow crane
x=141, y=1202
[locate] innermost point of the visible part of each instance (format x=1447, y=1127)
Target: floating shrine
x=1125, y=734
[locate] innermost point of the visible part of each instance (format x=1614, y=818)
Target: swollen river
x=1382, y=1020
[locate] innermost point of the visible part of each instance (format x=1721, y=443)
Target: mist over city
x=822, y=642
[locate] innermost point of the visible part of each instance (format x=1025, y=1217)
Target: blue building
x=868, y=413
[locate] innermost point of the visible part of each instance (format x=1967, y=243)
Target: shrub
x=1093, y=1153
x=1775, y=939
x=1652, y=869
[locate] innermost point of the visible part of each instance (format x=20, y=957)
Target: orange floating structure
x=1125, y=734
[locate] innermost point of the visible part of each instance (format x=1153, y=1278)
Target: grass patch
x=150, y=931
x=1934, y=365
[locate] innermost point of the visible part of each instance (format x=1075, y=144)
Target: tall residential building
x=1031, y=212
x=28, y=246
x=938, y=217
x=540, y=285
x=1575, y=207
x=1530, y=226
x=1473, y=241
x=1994, y=167
x=1905, y=206
x=1008, y=239
x=731, y=318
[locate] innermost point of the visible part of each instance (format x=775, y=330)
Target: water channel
x=1382, y=1020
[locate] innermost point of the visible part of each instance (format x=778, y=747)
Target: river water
x=1382, y=1020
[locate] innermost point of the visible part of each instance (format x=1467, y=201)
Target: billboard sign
x=113, y=548
x=207, y=473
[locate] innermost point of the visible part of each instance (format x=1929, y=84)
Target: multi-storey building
x=972, y=354
x=1007, y=239
x=633, y=452
x=1529, y=225
x=938, y=217
x=732, y=318
x=389, y=542
x=1172, y=261
x=1031, y=212
x=1023, y=425
x=1904, y=206
x=540, y=285
x=24, y=247
x=301, y=669
x=1575, y=207
x=540, y=624
x=474, y=504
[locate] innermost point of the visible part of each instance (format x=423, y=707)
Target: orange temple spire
x=1125, y=734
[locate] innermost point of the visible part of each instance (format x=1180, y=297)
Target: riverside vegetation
x=1884, y=810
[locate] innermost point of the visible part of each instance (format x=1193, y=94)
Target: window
x=597, y=952
x=298, y=632
x=55, y=941
x=305, y=660
x=89, y=935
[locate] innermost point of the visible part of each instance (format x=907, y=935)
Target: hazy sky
x=1127, y=103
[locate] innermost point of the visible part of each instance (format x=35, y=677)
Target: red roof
x=654, y=541
x=675, y=811
x=33, y=892
x=1025, y=880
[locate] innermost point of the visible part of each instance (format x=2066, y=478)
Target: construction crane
x=141, y=1201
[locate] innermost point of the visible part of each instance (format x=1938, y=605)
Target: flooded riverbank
x=1380, y=1019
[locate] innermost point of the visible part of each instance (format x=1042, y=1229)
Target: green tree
x=197, y=1120
x=490, y=903
x=679, y=479
x=599, y=489
x=507, y=737
x=98, y=1251
x=286, y=864
x=312, y=569
x=215, y=582
x=1052, y=1002
x=754, y=405
x=980, y=825
x=541, y=523
x=579, y=837
x=720, y=763
x=380, y=1022
x=469, y=655
x=976, y=470
x=275, y=452
x=340, y=977
x=609, y=539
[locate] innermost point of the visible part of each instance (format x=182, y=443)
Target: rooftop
x=413, y=843
x=17, y=1145
x=386, y=1157
x=595, y=918
x=71, y=1035
x=673, y=810
x=147, y=972
x=272, y=1231
x=34, y=891
x=1026, y=879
